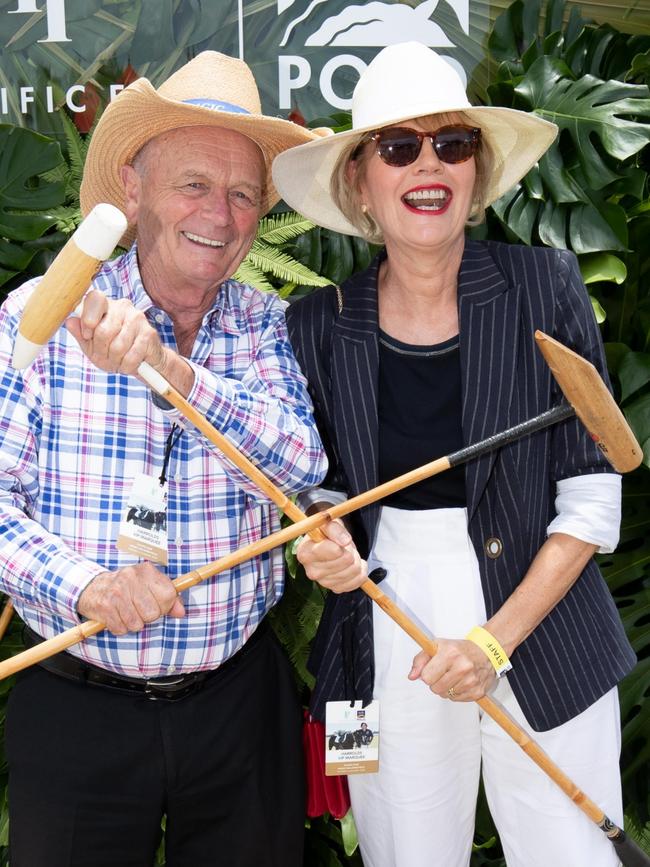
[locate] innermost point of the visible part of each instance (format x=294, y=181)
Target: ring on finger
x=451, y=692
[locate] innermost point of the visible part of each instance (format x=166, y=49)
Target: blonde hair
x=346, y=194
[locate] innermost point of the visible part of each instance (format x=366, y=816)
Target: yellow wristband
x=491, y=648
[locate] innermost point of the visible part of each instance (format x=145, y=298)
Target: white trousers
x=418, y=811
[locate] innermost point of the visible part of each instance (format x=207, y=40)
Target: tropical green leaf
x=637, y=414
x=349, y=833
x=588, y=109
x=338, y=263
x=602, y=266
x=633, y=372
x=282, y=228
x=253, y=276
x=76, y=151
x=24, y=156
x=599, y=313
x=638, y=830
x=270, y=260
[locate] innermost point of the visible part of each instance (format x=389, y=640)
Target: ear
x=354, y=177
x=132, y=191
x=351, y=172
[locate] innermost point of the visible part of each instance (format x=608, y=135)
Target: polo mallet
x=607, y=427
x=5, y=617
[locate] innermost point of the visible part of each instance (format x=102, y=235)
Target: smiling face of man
x=195, y=195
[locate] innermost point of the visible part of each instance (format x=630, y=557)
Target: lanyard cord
x=169, y=445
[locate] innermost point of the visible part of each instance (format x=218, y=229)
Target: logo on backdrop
x=319, y=48
x=55, y=12
x=364, y=26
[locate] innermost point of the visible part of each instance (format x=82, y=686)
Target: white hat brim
x=517, y=140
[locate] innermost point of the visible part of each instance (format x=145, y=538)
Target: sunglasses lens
x=455, y=144
x=398, y=147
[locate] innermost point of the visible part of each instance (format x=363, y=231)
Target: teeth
x=427, y=200
x=426, y=194
x=199, y=239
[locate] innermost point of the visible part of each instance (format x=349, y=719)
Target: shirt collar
x=134, y=290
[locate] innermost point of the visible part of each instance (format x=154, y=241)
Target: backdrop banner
x=306, y=54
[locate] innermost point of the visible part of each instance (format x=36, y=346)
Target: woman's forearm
x=558, y=564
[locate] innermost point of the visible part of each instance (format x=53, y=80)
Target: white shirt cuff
x=589, y=508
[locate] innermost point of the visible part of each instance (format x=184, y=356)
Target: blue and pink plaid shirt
x=73, y=437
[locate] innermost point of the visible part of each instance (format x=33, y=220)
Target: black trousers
x=92, y=772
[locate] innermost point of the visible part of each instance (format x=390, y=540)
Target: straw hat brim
x=517, y=140
x=140, y=113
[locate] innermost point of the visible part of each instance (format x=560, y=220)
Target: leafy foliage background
x=589, y=193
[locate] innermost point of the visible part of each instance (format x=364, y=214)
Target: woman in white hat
x=428, y=350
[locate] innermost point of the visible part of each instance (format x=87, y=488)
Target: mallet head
x=585, y=390
x=66, y=281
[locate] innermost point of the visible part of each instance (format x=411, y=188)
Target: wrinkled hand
x=116, y=336
x=458, y=664
x=335, y=562
x=130, y=597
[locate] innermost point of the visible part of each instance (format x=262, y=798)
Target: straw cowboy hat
x=404, y=81
x=211, y=90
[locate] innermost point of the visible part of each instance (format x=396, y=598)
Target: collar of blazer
x=489, y=323
x=480, y=281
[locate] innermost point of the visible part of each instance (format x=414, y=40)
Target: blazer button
x=493, y=547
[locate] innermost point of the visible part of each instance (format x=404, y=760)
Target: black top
x=420, y=420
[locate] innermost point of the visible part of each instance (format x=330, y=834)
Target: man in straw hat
x=428, y=350
x=185, y=706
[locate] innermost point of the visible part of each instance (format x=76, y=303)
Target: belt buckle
x=154, y=690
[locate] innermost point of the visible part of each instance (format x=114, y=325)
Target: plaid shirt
x=73, y=437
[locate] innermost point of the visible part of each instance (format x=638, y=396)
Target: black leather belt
x=171, y=688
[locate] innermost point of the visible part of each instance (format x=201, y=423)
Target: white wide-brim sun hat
x=212, y=90
x=403, y=82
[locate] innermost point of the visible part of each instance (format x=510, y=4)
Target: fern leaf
x=283, y=228
x=253, y=276
x=77, y=149
x=272, y=261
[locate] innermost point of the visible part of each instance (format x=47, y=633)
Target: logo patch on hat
x=217, y=105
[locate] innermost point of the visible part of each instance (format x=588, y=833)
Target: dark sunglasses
x=400, y=146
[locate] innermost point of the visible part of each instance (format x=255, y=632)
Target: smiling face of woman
x=424, y=205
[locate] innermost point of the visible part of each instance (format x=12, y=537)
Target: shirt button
x=171, y=669
x=493, y=547
x=160, y=318
x=179, y=540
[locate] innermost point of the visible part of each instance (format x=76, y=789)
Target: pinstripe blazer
x=505, y=292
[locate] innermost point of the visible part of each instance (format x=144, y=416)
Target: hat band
x=217, y=105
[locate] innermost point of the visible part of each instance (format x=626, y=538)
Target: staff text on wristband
x=491, y=648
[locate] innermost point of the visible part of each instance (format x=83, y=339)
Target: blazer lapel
x=489, y=331
x=355, y=372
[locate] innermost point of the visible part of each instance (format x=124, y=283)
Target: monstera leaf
x=589, y=109
x=24, y=157
x=572, y=198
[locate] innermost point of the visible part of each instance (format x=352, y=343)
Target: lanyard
x=169, y=445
